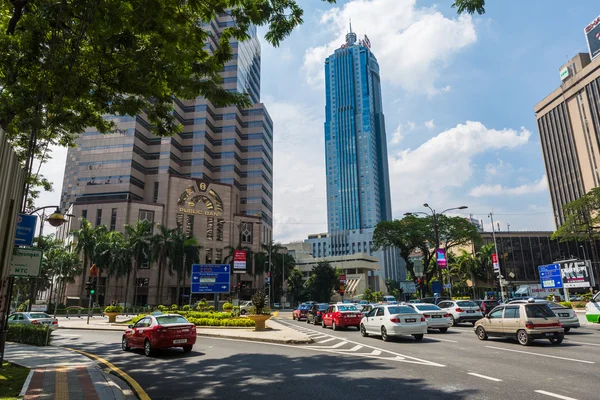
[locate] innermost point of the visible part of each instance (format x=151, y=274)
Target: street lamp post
x=436, y=233
x=497, y=257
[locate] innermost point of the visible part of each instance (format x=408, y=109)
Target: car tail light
x=422, y=319
x=446, y=315
x=531, y=325
x=55, y=322
x=427, y=315
x=34, y=322
x=318, y=312
x=395, y=320
x=459, y=310
x=161, y=329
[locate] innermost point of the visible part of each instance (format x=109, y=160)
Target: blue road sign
x=211, y=278
x=25, y=229
x=550, y=276
x=436, y=287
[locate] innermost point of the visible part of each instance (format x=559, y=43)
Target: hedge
x=28, y=334
x=209, y=319
x=135, y=319
x=566, y=304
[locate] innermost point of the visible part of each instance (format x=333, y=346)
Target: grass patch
x=12, y=378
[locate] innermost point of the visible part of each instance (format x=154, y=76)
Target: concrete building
x=214, y=180
x=568, y=122
x=358, y=187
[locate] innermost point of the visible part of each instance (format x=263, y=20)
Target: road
x=343, y=364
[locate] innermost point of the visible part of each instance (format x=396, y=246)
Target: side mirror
x=130, y=326
x=487, y=316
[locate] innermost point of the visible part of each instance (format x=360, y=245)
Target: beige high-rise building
x=568, y=122
x=213, y=181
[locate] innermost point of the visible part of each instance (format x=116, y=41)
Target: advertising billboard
x=592, y=34
x=441, y=258
x=239, y=261
x=576, y=274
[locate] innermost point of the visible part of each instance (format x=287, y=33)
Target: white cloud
x=413, y=45
x=498, y=169
x=299, y=201
x=499, y=190
x=397, y=136
x=430, y=124
x=429, y=172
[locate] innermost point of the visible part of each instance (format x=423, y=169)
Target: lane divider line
x=137, y=388
x=542, y=355
x=556, y=396
x=485, y=377
x=587, y=344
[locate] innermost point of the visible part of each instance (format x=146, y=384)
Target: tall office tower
x=569, y=127
x=214, y=180
x=358, y=188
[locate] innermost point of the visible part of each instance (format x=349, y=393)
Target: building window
x=189, y=228
x=220, y=223
x=180, y=222
x=98, y=217
x=208, y=256
x=246, y=232
x=210, y=227
x=146, y=215
x=113, y=219
x=143, y=282
x=155, y=195
x=83, y=216
x=218, y=256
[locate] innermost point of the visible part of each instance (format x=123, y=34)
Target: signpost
x=408, y=287
x=342, y=285
x=25, y=262
x=25, y=229
x=550, y=276
x=239, y=261
x=210, y=278
x=495, y=262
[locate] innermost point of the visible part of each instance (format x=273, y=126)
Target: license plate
x=549, y=334
x=410, y=320
x=436, y=316
x=185, y=330
x=177, y=341
x=470, y=311
x=563, y=315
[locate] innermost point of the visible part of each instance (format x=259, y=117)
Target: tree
x=368, y=295
x=161, y=243
x=138, y=238
x=378, y=296
x=295, y=285
x=469, y=6
x=413, y=233
x=183, y=252
x=322, y=281
x=582, y=222
x=118, y=257
x=85, y=247
x=65, y=65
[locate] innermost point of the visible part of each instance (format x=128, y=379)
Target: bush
x=244, y=322
x=211, y=308
x=579, y=304
x=135, y=319
x=566, y=304
x=587, y=296
x=113, y=309
x=28, y=334
x=259, y=301
x=187, y=307
x=215, y=315
x=162, y=308
x=202, y=305
x=174, y=307
x=227, y=306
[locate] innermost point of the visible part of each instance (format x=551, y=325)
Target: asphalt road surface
x=342, y=364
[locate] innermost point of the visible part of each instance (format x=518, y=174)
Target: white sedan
x=436, y=317
x=393, y=320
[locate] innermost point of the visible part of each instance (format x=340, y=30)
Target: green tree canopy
x=469, y=6
x=324, y=278
x=295, y=285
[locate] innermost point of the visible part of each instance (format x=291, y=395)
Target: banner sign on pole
x=210, y=278
x=575, y=274
x=25, y=262
x=239, y=261
x=441, y=258
x=495, y=262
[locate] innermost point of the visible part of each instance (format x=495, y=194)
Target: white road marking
x=355, y=348
x=340, y=344
x=376, y=352
x=485, y=377
x=587, y=344
x=542, y=355
x=326, y=340
x=558, y=396
x=441, y=340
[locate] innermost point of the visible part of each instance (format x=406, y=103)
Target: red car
x=300, y=312
x=160, y=332
x=341, y=315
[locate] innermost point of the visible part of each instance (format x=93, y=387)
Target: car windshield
x=539, y=311
x=39, y=315
x=171, y=319
x=323, y=306
x=401, y=310
x=304, y=307
x=428, y=308
x=466, y=304
x=347, y=308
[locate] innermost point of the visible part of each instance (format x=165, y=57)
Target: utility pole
x=270, y=266
x=498, y=258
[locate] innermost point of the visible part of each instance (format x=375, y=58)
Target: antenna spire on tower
x=350, y=19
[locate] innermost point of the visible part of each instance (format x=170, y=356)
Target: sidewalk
x=57, y=373
x=96, y=323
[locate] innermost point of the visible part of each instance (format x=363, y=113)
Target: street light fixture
x=56, y=219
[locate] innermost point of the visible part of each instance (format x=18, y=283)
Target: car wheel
x=315, y=321
x=481, y=333
x=363, y=331
x=523, y=338
x=187, y=349
x=323, y=324
x=418, y=337
x=243, y=312
x=567, y=330
x=443, y=330
x=453, y=320
x=148, y=348
x=334, y=326
x=124, y=344
x=384, y=334
x=557, y=339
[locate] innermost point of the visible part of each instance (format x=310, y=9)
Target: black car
x=486, y=305
x=434, y=300
x=316, y=311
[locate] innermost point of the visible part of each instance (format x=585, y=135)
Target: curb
x=92, y=329
x=263, y=340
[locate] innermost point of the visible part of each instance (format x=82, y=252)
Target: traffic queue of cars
x=523, y=320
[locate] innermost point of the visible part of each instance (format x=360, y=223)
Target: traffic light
x=90, y=286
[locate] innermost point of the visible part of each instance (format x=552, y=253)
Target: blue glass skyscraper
x=358, y=189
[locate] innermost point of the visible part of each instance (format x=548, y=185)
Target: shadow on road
x=251, y=373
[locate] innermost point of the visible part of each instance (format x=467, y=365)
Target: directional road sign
x=211, y=278
x=550, y=276
x=25, y=229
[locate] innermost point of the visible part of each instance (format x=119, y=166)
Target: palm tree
x=139, y=237
x=101, y=256
x=183, y=252
x=484, y=262
x=85, y=247
x=161, y=242
x=118, y=256
x=465, y=267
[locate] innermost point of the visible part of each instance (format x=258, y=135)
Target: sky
x=458, y=98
